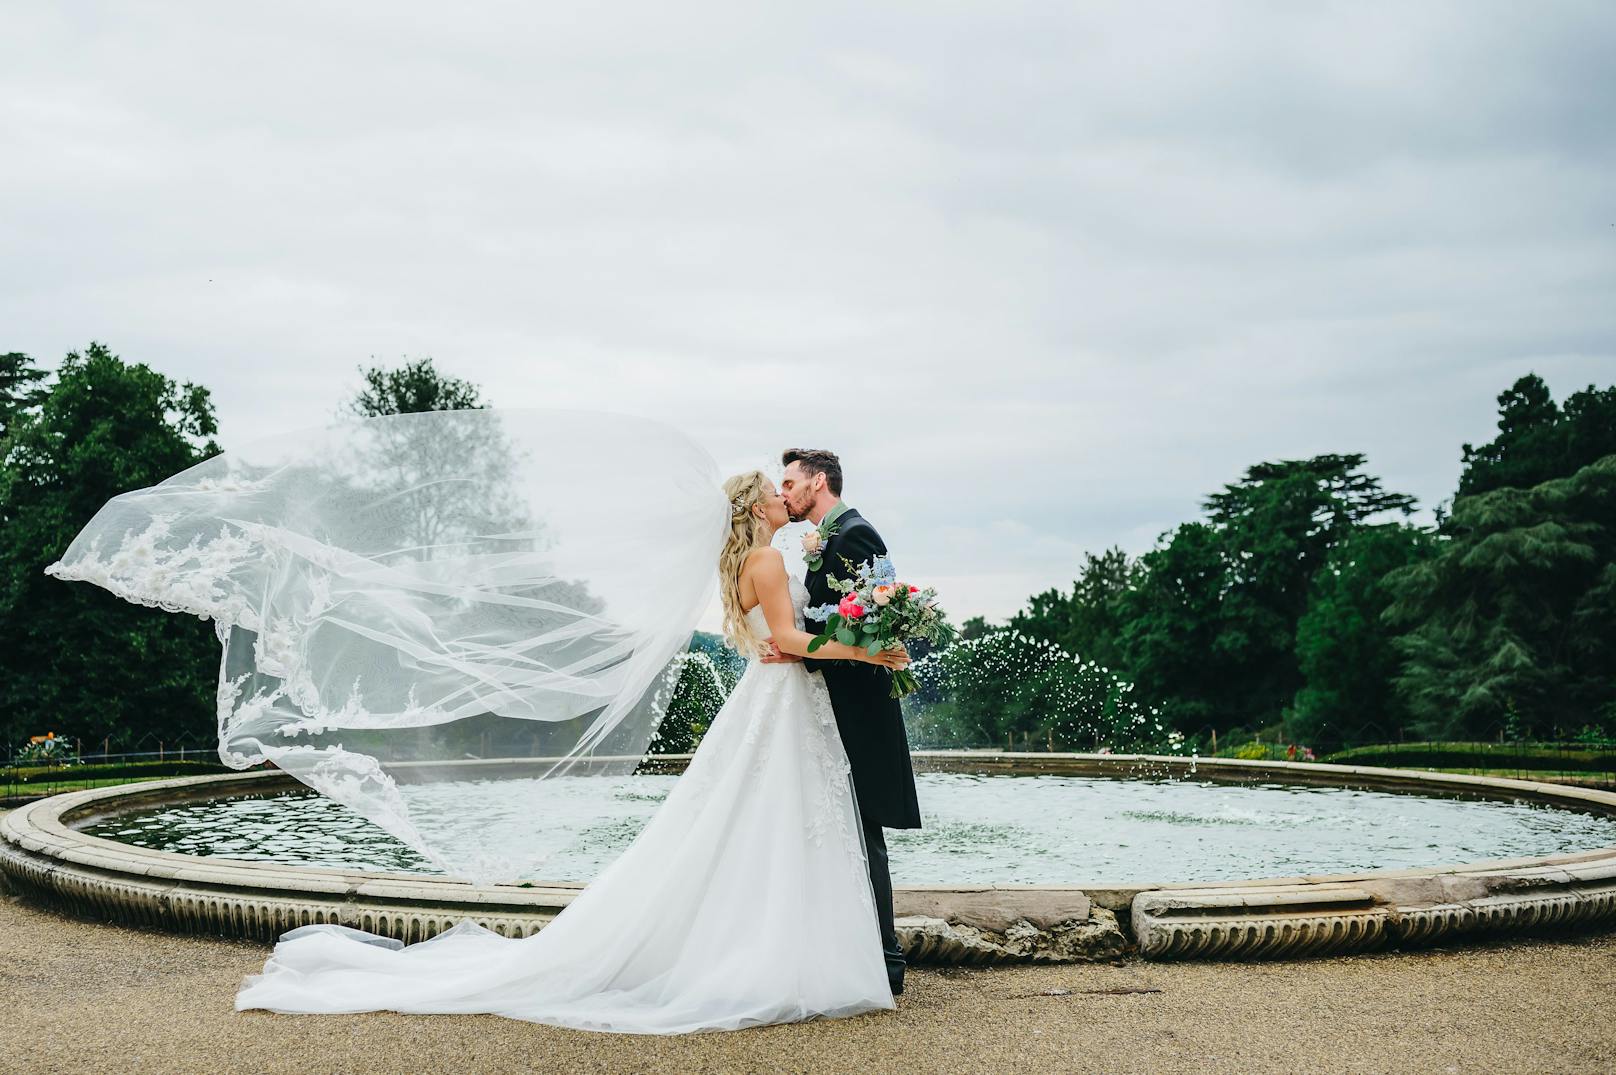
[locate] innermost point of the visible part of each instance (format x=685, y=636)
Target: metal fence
x=1588, y=761
x=48, y=767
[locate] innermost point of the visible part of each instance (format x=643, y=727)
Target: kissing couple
x=758, y=893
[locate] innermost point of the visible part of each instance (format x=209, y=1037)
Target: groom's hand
x=774, y=656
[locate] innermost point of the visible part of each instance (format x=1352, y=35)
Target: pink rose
x=882, y=594
x=812, y=542
x=850, y=609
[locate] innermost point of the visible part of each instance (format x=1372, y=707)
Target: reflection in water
x=979, y=829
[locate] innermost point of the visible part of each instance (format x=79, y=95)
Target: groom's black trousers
x=875, y=850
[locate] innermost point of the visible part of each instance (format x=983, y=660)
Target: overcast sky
x=1044, y=274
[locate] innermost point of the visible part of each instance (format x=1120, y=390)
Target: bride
x=744, y=901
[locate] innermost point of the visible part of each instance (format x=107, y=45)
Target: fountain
x=1026, y=857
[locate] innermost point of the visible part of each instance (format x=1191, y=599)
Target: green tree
x=728, y=664
x=77, y=660
x=697, y=693
x=1211, y=626
x=1512, y=624
x=1173, y=637
x=1343, y=651
x=459, y=476
x=974, y=627
x=1282, y=520
x=412, y=388
x=21, y=388
x=1088, y=620
x=1538, y=440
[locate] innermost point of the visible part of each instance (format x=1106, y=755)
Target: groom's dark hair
x=813, y=461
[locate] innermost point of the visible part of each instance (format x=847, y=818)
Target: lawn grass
x=1547, y=776
x=33, y=781
x=1549, y=762
x=12, y=791
x=1545, y=757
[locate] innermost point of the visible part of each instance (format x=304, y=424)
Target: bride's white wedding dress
x=745, y=900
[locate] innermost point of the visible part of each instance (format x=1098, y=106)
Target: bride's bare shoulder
x=765, y=560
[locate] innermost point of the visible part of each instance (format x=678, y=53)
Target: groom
x=869, y=719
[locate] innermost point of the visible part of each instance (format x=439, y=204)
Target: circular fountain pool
x=1043, y=857
x=979, y=829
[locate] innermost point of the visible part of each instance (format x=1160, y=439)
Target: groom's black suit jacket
x=871, y=722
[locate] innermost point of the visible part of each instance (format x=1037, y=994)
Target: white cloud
x=1045, y=276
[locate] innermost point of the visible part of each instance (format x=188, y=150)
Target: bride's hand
x=896, y=658
x=776, y=656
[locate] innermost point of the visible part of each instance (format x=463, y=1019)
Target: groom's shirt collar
x=834, y=513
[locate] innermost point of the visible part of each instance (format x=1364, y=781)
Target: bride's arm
x=768, y=570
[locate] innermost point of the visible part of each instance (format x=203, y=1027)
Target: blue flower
x=882, y=572
x=820, y=612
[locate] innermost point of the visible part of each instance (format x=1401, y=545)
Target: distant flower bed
x=46, y=750
x=1257, y=750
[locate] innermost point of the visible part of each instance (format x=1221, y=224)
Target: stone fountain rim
x=1268, y=917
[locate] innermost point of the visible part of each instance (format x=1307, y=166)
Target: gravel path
x=80, y=996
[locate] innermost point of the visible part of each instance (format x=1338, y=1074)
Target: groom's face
x=800, y=491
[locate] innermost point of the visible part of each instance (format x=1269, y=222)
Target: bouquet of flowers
x=879, y=612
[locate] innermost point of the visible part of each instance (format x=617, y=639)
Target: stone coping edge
x=45, y=857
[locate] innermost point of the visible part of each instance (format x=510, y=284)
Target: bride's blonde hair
x=745, y=492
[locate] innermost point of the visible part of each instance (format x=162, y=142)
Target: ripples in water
x=978, y=829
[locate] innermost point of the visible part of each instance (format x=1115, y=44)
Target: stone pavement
x=85, y=997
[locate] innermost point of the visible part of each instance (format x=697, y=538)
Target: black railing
x=1587, y=760
x=63, y=765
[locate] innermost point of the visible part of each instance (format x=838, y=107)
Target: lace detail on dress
x=832, y=806
x=835, y=791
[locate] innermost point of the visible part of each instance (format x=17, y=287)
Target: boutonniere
x=814, y=541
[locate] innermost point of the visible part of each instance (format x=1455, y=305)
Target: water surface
x=978, y=829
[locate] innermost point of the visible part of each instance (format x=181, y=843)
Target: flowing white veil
x=448, y=621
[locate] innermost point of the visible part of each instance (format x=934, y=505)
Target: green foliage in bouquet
x=878, y=612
